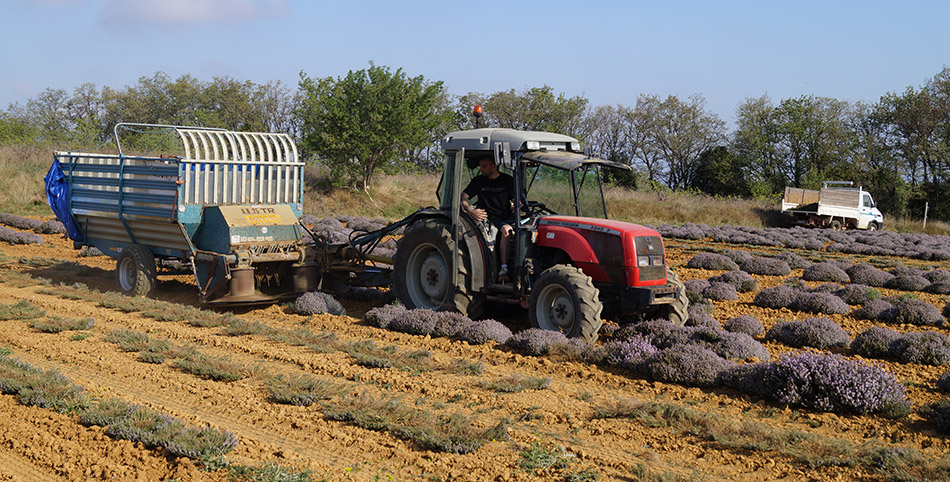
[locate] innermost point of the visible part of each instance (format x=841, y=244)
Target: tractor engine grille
x=651, y=260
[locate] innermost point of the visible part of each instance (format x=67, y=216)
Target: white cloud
x=119, y=13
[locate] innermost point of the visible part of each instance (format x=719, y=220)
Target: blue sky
x=607, y=51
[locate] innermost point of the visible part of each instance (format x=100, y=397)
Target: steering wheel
x=536, y=208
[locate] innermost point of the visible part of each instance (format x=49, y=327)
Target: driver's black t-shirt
x=495, y=196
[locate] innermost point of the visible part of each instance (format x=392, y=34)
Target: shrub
x=938, y=414
x=857, y=294
x=381, y=316
x=901, y=270
x=939, y=287
x=873, y=310
x=780, y=296
x=51, y=227
x=794, y=261
x=737, y=256
x=451, y=323
x=823, y=303
x=915, y=312
x=937, y=275
x=694, y=289
x=630, y=353
x=417, y=321
x=736, y=346
x=834, y=383
x=56, y=324
x=535, y=341
x=874, y=342
x=106, y=412
x=943, y=383
x=907, y=283
x=818, y=333
x=687, y=365
x=19, y=222
x=483, y=331
x=711, y=261
x=741, y=280
x=825, y=272
x=765, y=266
x=825, y=288
x=317, y=302
x=300, y=390
x=200, y=443
x=54, y=391
x=21, y=310
x=925, y=348
x=13, y=236
x=660, y=333
x=698, y=316
x=720, y=291
x=15, y=375
x=868, y=275
x=146, y=426
x=745, y=324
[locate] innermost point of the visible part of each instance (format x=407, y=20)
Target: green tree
x=535, y=109
x=367, y=120
x=721, y=173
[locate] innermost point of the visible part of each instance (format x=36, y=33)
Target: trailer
x=838, y=205
x=225, y=206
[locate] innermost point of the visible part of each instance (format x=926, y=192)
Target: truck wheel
x=135, y=271
x=872, y=226
x=835, y=226
x=565, y=299
x=678, y=310
x=421, y=271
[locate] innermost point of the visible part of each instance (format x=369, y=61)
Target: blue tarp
x=57, y=195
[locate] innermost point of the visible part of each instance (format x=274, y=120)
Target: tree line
x=383, y=120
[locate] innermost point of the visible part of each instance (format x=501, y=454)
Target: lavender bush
x=698, y=316
x=535, y=341
x=13, y=236
x=914, y=312
x=694, y=289
x=873, y=310
x=745, y=324
x=857, y=294
x=943, y=383
x=907, y=282
x=19, y=222
x=834, y=383
x=938, y=414
x=874, y=342
x=937, y=275
x=821, y=333
x=825, y=288
x=711, y=261
x=925, y=348
x=765, y=266
x=794, y=261
x=939, y=287
x=820, y=303
x=825, y=272
x=660, y=333
x=383, y=315
x=689, y=365
x=317, y=302
x=630, y=353
x=415, y=322
x=866, y=274
x=735, y=346
x=720, y=291
x=742, y=281
x=483, y=331
x=780, y=296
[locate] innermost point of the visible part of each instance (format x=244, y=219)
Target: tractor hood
x=608, y=226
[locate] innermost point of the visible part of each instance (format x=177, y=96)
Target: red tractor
x=569, y=265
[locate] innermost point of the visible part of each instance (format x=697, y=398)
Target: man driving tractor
x=496, y=196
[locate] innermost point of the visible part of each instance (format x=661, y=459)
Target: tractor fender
x=577, y=247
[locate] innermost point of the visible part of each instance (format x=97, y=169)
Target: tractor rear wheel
x=565, y=299
x=421, y=268
x=678, y=310
x=135, y=271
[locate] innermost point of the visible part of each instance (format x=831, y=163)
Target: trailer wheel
x=565, y=299
x=421, y=271
x=135, y=271
x=835, y=225
x=678, y=310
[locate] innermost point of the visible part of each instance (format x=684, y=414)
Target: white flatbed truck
x=838, y=205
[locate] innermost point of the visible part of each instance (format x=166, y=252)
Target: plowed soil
x=39, y=444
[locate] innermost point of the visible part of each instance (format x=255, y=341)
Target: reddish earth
x=39, y=444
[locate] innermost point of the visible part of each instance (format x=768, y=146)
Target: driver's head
x=487, y=166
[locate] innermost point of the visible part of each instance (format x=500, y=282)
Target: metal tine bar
x=195, y=177
x=263, y=172
x=242, y=157
x=271, y=170
x=231, y=143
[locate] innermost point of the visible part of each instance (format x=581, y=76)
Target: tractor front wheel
x=135, y=271
x=421, y=269
x=565, y=299
x=678, y=310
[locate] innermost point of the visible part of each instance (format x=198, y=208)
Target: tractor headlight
x=643, y=261
x=656, y=260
